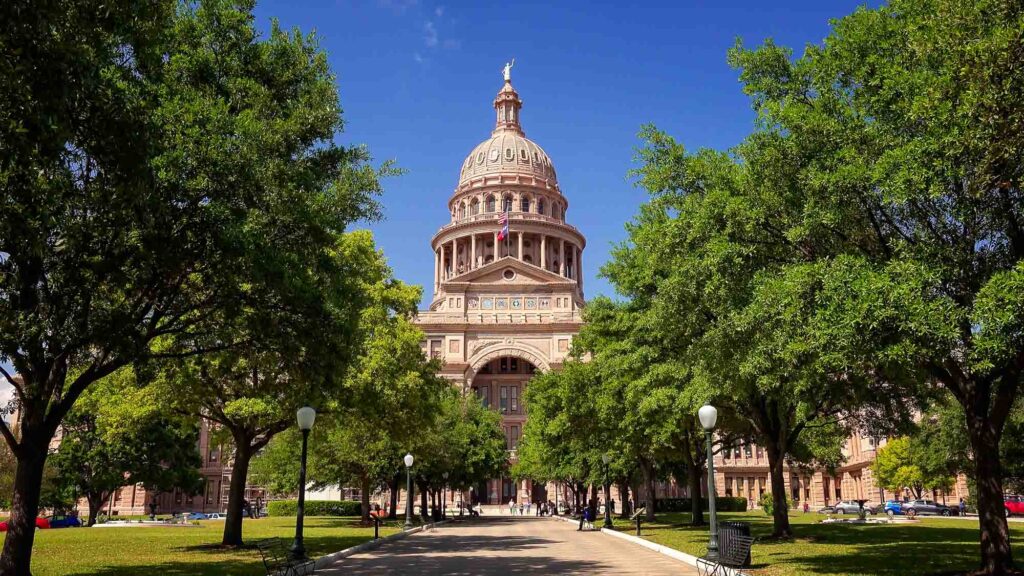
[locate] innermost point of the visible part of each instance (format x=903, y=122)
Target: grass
x=930, y=546
x=184, y=551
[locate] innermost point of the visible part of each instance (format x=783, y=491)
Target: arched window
x=524, y=204
x=507, y=203
x=554, y=210
x=474, y=207
x=540, y=205
x=462, y=210
x=490, y=203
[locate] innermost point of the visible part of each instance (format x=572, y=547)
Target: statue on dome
x=508, y=70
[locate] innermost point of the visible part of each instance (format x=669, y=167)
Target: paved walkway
x=509, y=547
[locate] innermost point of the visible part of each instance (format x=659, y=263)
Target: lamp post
x=408, y=491
x=605, y=458
x=444, y=495
x=305, y=417
x=708, y=416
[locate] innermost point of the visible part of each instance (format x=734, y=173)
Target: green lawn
x=927, y=547
x=184, y=551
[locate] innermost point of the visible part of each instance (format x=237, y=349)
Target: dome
x=508, y=152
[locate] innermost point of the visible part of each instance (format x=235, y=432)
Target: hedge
x=722, y=504
x=315, y=508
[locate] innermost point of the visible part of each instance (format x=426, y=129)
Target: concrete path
x=508, y=547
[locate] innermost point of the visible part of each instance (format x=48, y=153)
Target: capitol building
x=508, y=279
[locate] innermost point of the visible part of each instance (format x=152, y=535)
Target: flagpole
x=508, y=237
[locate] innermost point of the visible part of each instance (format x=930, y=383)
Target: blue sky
x=417, y=78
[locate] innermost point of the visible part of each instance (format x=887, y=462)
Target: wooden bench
x=732, y=555
x=278, y=561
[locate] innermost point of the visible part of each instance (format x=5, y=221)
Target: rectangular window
x=760, y=452
x=214, y=452
x=515, y=399
x=508, y=437
x=484, y=393
x=515, y=365
x=504, y=400
x=746, y=450
x=515, y=437
x=736, y=450
x=504, y=365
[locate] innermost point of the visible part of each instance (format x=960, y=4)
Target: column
x=472, y=251
x=437, y=269
x=578, y=270
x=544, y=251
x=561, y=257
x=519, y=254
x=455, y=257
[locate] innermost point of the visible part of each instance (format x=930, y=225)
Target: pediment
x=522, y=273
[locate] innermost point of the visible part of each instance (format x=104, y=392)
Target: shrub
x=315, y=508
x=768, y=505
x=722, y=504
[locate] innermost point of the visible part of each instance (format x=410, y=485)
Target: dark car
x=58, y=521
x=925, y=508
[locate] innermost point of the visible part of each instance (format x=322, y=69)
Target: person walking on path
x=528, y=504
x=963, y=507
x=511, y=507
x=520, y=508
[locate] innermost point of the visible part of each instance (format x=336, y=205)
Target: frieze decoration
x=483, y=344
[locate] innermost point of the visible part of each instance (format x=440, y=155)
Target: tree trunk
x=239, y=472
x=364, y=487
x=593, y=502
x=647, y=469
x=21, y=527
x=393, y=486
x=693, y=476
x=423, y=486
x=780, y=512
x=624, y=511
x=95, y=504
x=996, y=558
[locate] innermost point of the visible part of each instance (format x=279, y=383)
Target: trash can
x=726, y=531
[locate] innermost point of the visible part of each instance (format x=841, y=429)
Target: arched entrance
x=499, y=381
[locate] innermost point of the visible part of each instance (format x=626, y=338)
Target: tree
x=118, y=435
x=161, y=164
x=906, y=120
x=906, y=462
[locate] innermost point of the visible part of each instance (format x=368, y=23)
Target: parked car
x=41, y=524
x=827, y=510
x=893, y=508
x=59, y=521
x=852, y=507
x=216, y=516
x=925, y=508
x=1013, y=504
x=196, y=516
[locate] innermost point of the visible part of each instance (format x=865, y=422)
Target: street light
x=708, y=416
x=607, y=492
x=305, y=417
x=444, y=494
x=408, y=491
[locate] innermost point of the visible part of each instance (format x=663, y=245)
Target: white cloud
x=6, y=392
x=439, y=11
x=430, y=34
x=418, y=58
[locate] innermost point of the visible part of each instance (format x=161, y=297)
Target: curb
x=665, y=550
x=324, y=561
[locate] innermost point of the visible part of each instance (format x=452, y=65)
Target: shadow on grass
x=901, y=549
x=216, y=560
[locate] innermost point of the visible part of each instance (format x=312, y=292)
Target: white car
x=216, y=516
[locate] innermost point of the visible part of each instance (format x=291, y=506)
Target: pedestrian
x=807, y=507
x=963, y=507
x=511, y=507
x=520, y=508
x=529, y=503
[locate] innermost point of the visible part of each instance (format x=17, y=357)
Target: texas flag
x=503, y=221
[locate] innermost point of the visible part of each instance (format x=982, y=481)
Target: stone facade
x=504, y=304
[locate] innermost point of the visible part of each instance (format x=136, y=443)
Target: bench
x=732, y=555
x=278, y=562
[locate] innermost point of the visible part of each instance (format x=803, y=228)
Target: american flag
x=503, y=222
